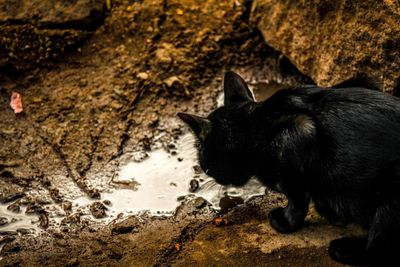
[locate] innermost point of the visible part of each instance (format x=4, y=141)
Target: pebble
x=14, y=208
x=199, y=202
x=194, y=185
x=3, y=221
x=142, y=76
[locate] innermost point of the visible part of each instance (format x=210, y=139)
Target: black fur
x=338, y=147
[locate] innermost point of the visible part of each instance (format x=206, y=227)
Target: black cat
x=338, y=147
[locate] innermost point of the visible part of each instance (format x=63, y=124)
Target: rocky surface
x=189, y=238
x=333, y=41
x=34, y=32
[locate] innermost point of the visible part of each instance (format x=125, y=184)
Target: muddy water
x=17, y=220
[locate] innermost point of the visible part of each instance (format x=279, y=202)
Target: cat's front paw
x=279, y=222
x=351, y=251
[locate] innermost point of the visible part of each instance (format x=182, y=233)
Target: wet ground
x=98, y=171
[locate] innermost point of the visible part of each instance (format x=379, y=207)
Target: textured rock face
x=333, y=41
x=34, y=31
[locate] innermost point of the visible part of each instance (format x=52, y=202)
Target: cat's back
x=351, y=124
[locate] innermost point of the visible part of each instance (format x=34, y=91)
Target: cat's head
x=222, y=135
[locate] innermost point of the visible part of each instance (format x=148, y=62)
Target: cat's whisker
x=207, y=185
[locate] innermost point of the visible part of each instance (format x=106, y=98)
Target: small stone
x=200, y=202
x=3, y=221
x=194, y=185
x=61, y=242
x=98, y=210
x=43, y=220
x=107, y=202
x=142, y=76
x=72, y=262
x=14, y=207
x=23, y=231
x=116, y=105
x=171, y=80
x=163, y=55
x=122, y=229
x=67, y=205
x=180, y=198
x=197, y=169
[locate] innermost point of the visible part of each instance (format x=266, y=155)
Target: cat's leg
x=349, y=250
x=290, y=218
x=326, y=211
x=382, y=245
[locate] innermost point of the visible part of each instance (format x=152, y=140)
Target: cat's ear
x=235, y=89
x=200, y=126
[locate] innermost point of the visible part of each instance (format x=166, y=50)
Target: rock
x=142, y=75
x=36, y=31
x=43, y=220
x=3, y=221
x=129, y=225
x=15, y=207
x=107, y=202
x=67, y=205
x=82, y=14
x=200, y=202
x=23, y=231
x=226, y=203
x=334, y=41
x=197, y=169
x=98, y=210
x=193, y=186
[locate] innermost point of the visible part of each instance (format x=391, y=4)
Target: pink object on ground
x=16, y=102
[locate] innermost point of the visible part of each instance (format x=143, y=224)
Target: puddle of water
x=162, y=178
x=18, y=220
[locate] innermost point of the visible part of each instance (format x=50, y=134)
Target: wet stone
x=15, y=207
x=3, y=221
x=98, y=210
x=228, y=202
x=139, y=156
x=23, y=231
x=43, y=221
x=193, y=186
x=34, y=209
x=67, y=205
x=200, y=202
x=197, y=169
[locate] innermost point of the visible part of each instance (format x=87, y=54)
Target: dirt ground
x=118, y=94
